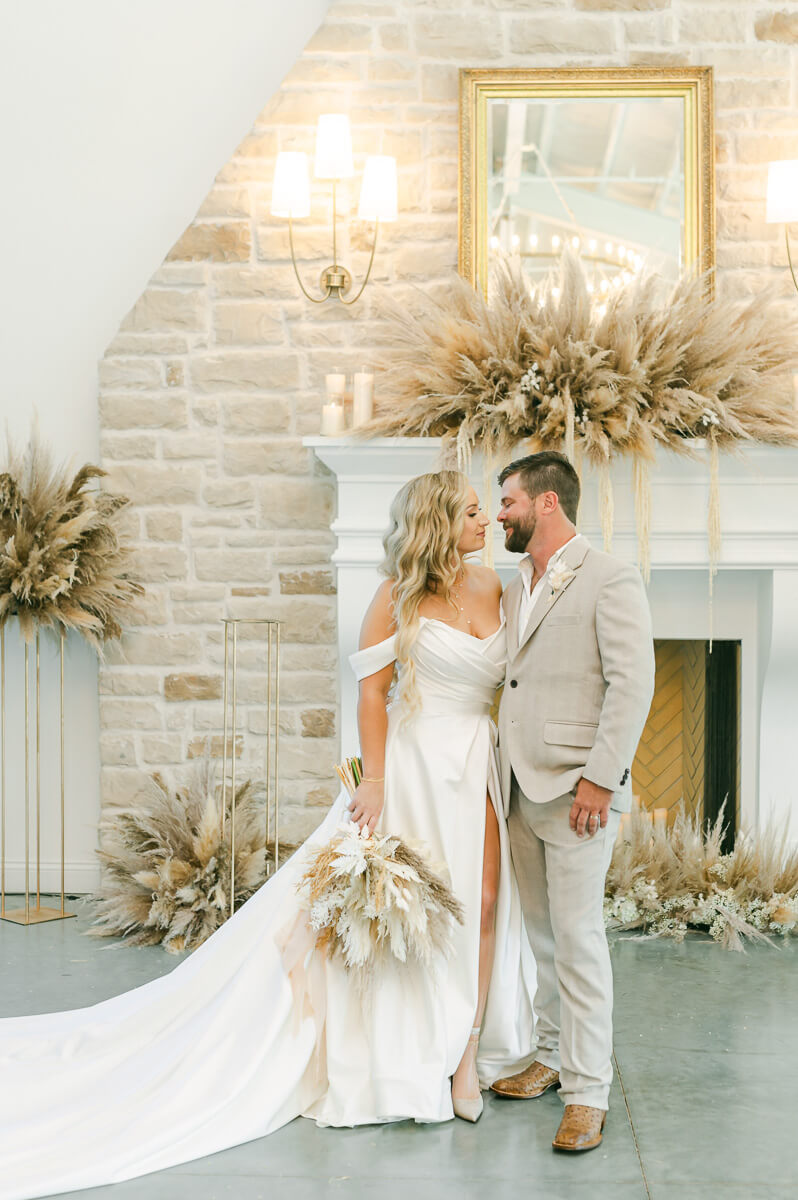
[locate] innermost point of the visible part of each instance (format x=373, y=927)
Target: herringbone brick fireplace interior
x=674, y=759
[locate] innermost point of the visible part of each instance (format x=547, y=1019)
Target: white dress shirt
x=530, y=595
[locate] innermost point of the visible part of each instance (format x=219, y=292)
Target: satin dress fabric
x=221, y=1051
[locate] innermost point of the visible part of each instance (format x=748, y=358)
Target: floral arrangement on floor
x=669, y=882
x=64, y=563
x=167, y=861
x=598, y=375
x=370, y=897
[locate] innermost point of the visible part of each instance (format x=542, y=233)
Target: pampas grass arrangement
x=595, y=375
x=369, y=898
x=64, y=563
x=167, y=862
x=668, y=882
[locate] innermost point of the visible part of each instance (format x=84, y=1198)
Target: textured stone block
x=162, y=748
x=246, y=415
x=246, y=324
x=228, y=241
x=244, y=371
x=228, y=494
x=294, y=504
x=161, y=649
x=449, y=35
x=620, y=5
x=751, y=94
x=561, y=35
x=167, y=308
x=164, y=526
x=198, y=747
x=192, y=687
x=127, y=446
x=117, y=751
x=231, y=565
x=344, y=37
x=129, y=373
x=119, y=682
x=778, y=27
x=122, y=786
x=189, y=445
x=318, y=723
x=713, y=25
x=298, y=583
x=230, y=201
x=283, y=456
x=156, y=564
x=129, y=714
x=141, y=411
x=155, y=483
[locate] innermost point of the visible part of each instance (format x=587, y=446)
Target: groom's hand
x=590, y=809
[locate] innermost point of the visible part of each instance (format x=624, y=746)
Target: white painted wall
x=115, y=119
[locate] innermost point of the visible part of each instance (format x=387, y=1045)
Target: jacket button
x=513, y=683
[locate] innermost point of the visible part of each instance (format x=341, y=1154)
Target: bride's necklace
x=457, y=596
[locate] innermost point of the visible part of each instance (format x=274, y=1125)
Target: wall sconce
x=291, y=196
x=782, y=200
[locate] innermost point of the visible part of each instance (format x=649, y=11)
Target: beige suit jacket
x=580, y=679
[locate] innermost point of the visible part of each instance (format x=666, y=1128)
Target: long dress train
x=219, y=1051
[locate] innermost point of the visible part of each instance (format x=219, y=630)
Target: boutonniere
x=559, y=575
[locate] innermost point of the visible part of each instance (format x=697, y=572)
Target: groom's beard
x=518, y=534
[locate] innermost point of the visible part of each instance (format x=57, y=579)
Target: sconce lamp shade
x=334, y=147
x=378, y=190
x=291, y=187
x=782, y=198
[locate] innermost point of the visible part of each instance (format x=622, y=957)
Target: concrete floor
x=704, y=1107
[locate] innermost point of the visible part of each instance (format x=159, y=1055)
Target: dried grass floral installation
x=600, y=376
x=166, y=861
x=668, y=882
x=372, y=897
x=64, y=562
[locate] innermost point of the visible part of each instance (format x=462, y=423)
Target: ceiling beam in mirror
x=617, y=161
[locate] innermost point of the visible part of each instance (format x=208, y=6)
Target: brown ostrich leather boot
x=533, y=1081
x=580, y=1128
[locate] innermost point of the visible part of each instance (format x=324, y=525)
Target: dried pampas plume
x=167, y=862
x=609, y=375
x=64, y=563
x=667, y=882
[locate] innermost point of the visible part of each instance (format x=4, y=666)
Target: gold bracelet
x=366, y=779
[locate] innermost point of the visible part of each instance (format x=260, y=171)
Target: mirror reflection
x=606, y=174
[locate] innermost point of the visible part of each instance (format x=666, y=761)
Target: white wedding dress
x=227, y=1047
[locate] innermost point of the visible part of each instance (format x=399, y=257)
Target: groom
x=579, y=684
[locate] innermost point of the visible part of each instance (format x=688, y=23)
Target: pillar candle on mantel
x=363, y=398
x=332, y=420
x=336, y=386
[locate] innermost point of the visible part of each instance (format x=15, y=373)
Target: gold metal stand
x=230, y=702
x=29, y=915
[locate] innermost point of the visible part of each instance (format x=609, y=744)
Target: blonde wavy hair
x=427, y=521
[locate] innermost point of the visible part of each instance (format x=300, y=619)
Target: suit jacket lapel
x=572, y=556
x=512, y=604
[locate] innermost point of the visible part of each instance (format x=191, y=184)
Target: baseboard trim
x=79, y=878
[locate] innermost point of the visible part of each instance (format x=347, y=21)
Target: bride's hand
x=366, y=805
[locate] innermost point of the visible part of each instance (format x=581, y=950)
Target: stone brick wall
x=215, y=375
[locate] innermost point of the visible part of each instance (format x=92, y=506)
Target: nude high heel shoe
x=469, y=1108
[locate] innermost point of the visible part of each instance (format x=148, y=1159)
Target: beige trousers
x=561, y=882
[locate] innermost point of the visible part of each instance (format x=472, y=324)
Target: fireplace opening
x=689, y=752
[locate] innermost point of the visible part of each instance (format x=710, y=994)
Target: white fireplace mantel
x=755, y=590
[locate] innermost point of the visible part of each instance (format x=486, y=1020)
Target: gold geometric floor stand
x=271, y=635
x=30, y=915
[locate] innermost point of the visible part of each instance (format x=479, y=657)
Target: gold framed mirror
x=619, y=161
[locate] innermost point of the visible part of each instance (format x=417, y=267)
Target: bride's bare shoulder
x=378, y=623
x=485, y=578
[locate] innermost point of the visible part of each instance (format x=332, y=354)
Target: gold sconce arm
x=789, y=255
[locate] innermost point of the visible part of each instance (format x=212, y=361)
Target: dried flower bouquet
x=372, y=897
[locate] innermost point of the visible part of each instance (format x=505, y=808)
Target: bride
x=236, y=1041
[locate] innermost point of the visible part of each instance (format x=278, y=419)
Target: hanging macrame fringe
x=487, y=503
x=641, y=485
x=606, y=504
